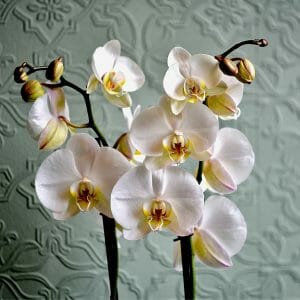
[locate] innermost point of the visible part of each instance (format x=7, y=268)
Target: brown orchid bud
x=31, y=90
x=228, y=67
x=246, y=71
x=20, y=75
x=55, y=69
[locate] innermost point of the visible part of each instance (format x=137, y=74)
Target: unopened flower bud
x=20, y=75
x=246, y=73
x=228, y=67
x=55, y=69
x=31, y=90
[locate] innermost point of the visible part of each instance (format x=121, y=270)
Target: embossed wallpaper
x=41, y=258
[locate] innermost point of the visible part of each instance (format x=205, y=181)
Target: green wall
x=44, y=259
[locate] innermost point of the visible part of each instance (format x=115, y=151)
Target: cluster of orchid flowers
x=140, y=182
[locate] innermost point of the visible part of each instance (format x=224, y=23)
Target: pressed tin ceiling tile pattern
x=41, y=258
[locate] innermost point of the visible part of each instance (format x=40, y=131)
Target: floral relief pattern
x=49, y=11
x=43, y=259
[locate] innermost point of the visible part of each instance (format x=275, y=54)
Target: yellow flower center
x=157, y=214
x=85, y=194
x=113, y=83
x=194, y=90
x=178, y=147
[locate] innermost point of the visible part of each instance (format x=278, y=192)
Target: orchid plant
x=139, y=184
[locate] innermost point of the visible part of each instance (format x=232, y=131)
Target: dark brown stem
x=256, y=42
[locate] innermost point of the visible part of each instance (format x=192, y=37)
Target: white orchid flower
x=169, y=139
x=117, y=75
x=220, y=235
x=48, y=119
x=79, y=177
x=191, y=78
x=231, y=160
x=143, y=201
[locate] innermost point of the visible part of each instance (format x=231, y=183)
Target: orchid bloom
x=143, y=201
x=168, y=139
x=221, y=234
x=117, y=75
x=79, y=177
x=191, y=78
x=48, y=119
x=231, y=160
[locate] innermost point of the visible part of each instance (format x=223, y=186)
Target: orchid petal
x=137, y=233
x=54, y=135
x=104, y=58
x=148, y=130
x=93, y=84
x=122, y=101
x=174, y=120
x=234, y=151
x=133, y=74
x=209, y=250
x=39, y=116
x=223, y=220
x=178, y=55
x=186, y=198
x=157, y=162
x=218, y=179
x=129, y=194
x=108, y=166
x=84, y=149
x=57, y=102
x=54, y=178
x=177, y=106
x=200, y=125
x=222, y=105
x=173, y=83
x=205, y=67
x=71, y=211
x=235, y=88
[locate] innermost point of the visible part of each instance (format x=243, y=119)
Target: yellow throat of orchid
x=178, y=147
x=113, y=83
x=194, y=90
x=157, y=214
x=85, y=194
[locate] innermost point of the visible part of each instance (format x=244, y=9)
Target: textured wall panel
x=41, y=258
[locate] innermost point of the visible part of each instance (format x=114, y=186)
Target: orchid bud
x=55, y=69
x=32, y=90
x=246, y=71
x=20, y=75
x=228, y=67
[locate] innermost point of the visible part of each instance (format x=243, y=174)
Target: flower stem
x=187, y=255
x=86, y=97
x=187, y=267
x=111, y=246
x=256, y=42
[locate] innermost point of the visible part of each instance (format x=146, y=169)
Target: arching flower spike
x=79, y=177
x=117, y=75
x=145, y=201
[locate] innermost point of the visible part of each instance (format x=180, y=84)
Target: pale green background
x=44, y=259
